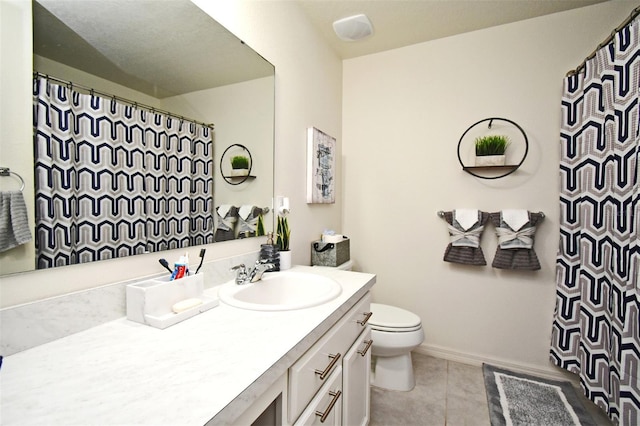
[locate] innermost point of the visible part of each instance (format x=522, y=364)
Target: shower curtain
x=596, y=327
x=113, y=180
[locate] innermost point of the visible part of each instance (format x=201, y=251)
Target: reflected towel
x=248, y=220
x=227, y=217
x=14, y=225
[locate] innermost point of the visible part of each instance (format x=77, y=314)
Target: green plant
x=260, y=226
x=240, y=162
x=283, y=233
x=491, y=145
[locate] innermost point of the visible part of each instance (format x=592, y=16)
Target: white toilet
x=395, y=333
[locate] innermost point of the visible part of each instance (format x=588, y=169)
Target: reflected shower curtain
x=112, y=180
x=596, y=328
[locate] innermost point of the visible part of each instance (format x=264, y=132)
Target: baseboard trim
x=551, y=372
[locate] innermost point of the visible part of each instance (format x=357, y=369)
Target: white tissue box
x=151, y=302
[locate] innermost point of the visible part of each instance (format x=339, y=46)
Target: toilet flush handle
x=367, y=315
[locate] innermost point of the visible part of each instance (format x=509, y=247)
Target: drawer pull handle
x=366, y=348
x=367, y=315
x=334, y=359
x=323, y=416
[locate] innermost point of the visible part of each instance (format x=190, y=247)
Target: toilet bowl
x=395, y=333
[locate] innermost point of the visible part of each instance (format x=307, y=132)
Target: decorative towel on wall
x=227, y=215
x=465, y=229
x=14, y=226
x=248, y=220
x=515, y=230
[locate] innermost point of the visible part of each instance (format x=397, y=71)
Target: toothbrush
x=202, y=252
x=164, y=263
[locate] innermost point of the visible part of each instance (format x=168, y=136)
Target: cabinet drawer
x=311, y=371
x=326, y=407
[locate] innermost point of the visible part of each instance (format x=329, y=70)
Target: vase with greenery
x=490, y=150
x=239, y=165
x=283, y=233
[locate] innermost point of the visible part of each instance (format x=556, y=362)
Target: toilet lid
x=385, y=317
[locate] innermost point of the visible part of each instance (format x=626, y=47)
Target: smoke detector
x=353, y=28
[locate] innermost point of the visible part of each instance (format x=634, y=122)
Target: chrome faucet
x=245, y=276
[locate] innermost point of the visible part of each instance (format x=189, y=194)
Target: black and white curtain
x=113, y=180
x=596, y=328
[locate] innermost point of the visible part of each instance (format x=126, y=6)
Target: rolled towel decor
x=465, y=228
x=226, y=215
x=515, y=230
x=248, y=220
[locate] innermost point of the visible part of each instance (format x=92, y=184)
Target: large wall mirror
x=168, y=57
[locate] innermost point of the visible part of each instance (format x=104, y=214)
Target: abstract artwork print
x=321, y=164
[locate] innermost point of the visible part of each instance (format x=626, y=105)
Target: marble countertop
x=209, y=368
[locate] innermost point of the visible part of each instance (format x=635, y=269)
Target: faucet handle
x=241, y=273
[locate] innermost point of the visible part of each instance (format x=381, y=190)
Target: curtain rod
x=135, y=104
x=635, y=12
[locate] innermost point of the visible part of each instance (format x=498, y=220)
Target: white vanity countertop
x=209, y=367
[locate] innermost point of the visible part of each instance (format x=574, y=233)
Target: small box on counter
x=334, y=253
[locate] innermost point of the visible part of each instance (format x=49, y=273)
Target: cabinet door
x=355, y=381
x=326, y=407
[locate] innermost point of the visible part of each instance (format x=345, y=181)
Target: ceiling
x=120, y=40
x=398, y=23
x=158, y=47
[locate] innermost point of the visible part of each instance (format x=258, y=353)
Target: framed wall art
x=321, y=165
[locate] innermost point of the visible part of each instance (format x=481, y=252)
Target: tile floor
x=447, y=393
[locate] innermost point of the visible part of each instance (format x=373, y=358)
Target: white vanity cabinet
x=342, y=356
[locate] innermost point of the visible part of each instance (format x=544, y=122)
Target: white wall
x=308, y=93
x=231, y=108
x=404, y=112
x=15, y=114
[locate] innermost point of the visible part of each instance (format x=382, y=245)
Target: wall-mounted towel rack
x=5, y=171
x=441, y=213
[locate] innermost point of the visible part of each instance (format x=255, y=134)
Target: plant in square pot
x=239, y=165
x=490, y=150
x=282, y=241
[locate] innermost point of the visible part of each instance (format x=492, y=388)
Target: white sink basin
x=281, y=291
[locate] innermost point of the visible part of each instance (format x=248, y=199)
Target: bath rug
x=519, y=400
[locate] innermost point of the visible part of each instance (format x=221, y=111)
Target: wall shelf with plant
x=490, y=146
x=236, y=164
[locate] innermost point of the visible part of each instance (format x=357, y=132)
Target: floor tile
x=447, y=393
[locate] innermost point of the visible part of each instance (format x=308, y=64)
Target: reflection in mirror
x=188, y=66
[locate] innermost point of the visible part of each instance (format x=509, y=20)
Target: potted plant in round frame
x=239, y=165
x=490, y=150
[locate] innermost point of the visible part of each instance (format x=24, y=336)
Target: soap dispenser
x=269, y=252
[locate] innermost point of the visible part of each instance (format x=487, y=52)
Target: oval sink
x=281, y=291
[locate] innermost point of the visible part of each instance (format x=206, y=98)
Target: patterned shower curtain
x=113, y=180
x=596, y=328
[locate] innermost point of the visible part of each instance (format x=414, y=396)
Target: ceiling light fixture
x=353, y=28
